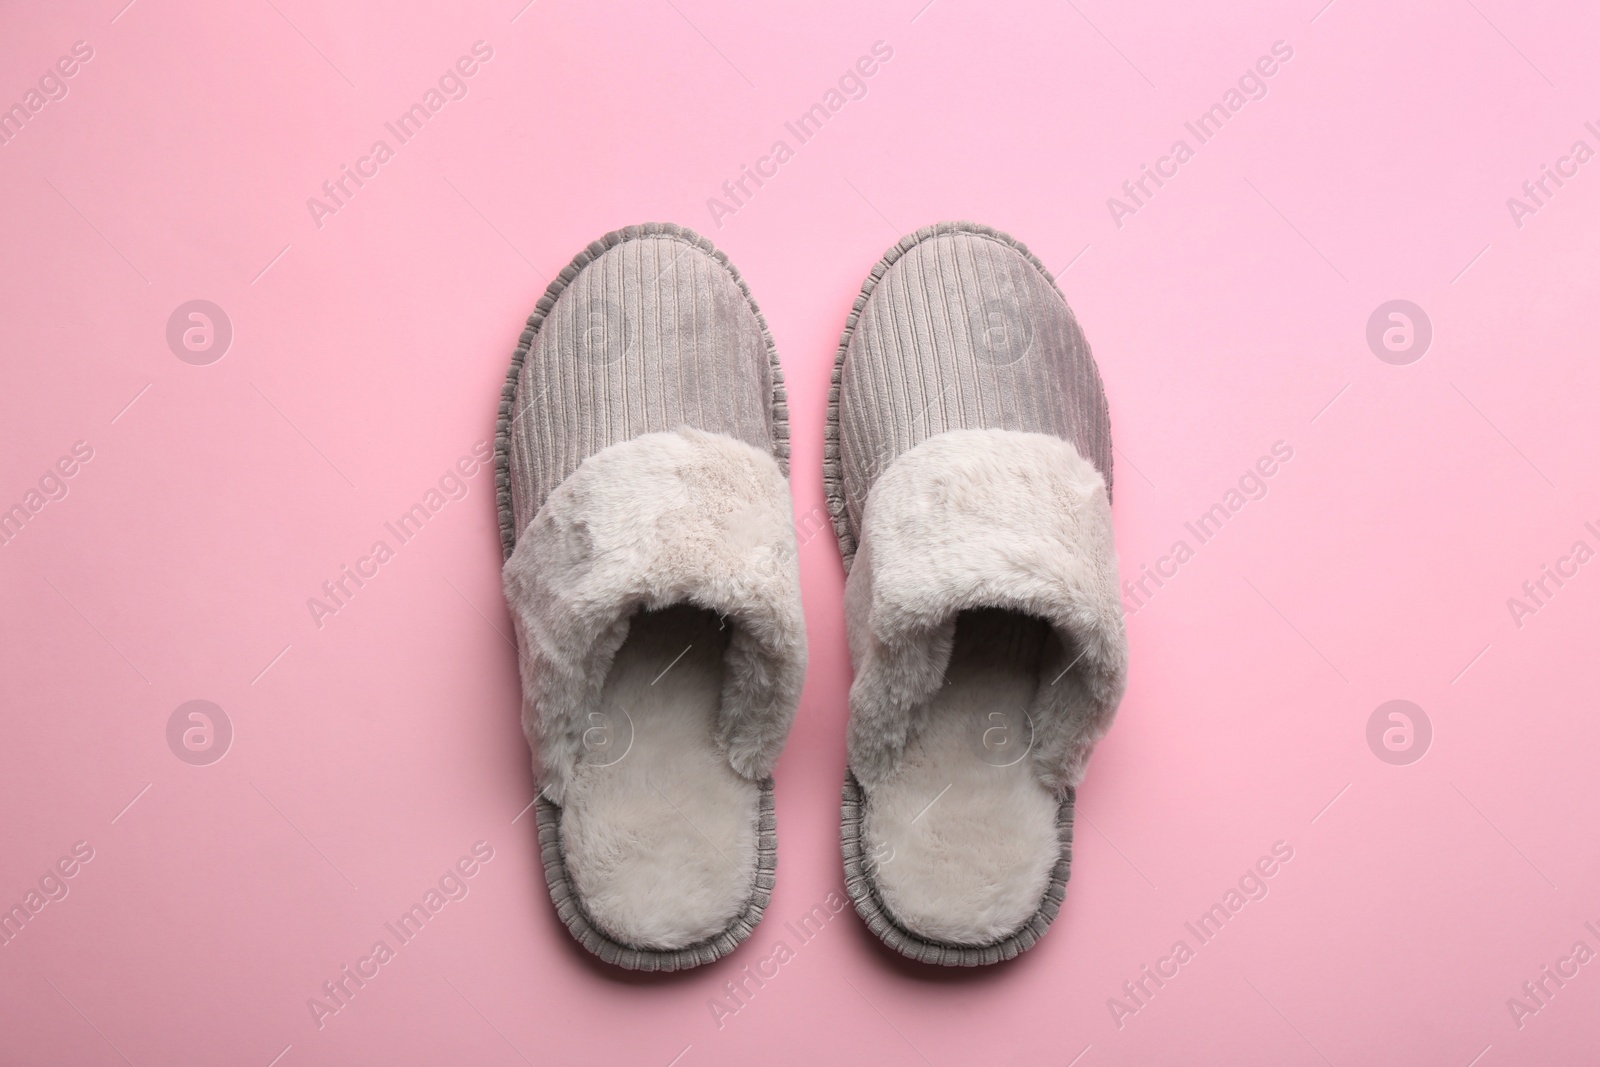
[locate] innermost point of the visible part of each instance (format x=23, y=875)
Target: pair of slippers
x=652, y=571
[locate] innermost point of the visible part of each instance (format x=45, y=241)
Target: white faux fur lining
x=985, y=518
x=660, y=837
x=964, y=848
x=662, y=519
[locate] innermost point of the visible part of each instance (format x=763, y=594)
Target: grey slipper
x=968, y=474
x=651, y=570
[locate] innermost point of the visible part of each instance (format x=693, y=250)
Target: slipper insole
x=962, y=839
x=657, y=830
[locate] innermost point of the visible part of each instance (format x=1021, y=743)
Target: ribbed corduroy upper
x=655, y=332
x=960, y=329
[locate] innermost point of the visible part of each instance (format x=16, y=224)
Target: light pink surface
x=1228, y=313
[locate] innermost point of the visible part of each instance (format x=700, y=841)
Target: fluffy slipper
x=968, y=474
x=651, y=570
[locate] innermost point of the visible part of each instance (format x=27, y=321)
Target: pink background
x=1228, y=313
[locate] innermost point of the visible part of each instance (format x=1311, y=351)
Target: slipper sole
x=875, y=913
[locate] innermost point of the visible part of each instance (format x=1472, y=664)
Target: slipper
x=652, y=573
x=968, y=473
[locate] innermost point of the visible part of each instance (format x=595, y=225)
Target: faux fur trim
x=663, y=519
x=985, y=518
